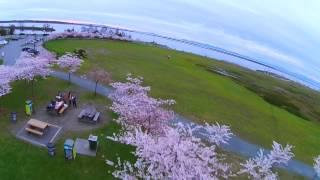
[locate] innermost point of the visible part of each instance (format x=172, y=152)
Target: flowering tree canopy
x=163, y=151
x=47, y=55
x=7, y=74
x=69, y=61
x=90, y=34
x=216, y=134
x=99, y=76
x=316, y=165
x=28, y=67
x=177, y=154
x=136, y=108
x=260, y=167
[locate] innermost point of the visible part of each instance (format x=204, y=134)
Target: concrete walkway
x=236, y=144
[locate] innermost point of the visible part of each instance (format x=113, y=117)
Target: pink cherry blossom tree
x=89, y=34
x=176, y=154
x=260, y=167
x=7, y=75
x=28, y=67
x=316, y=166
x=135, y=108
x=163, y=151
x=47, y=55
x=70, y=62
x=99, y=75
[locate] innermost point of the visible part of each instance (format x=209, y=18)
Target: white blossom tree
x=28, y=68
x=260, y=167
x=176, y=154
x=135, y=108
x=70, y=62
x=7, y=75
x=163, y=151
x=99, y=76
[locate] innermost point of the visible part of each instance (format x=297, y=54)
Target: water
x=186, y=46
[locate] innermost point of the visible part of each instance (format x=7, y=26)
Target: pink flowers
x=89, y=35
x=316, y=165
x=260, y=167
x=176, y=154
x=69, y=61
x=7, y=75
x=163, y=152
x=27, y=67
x=137, y=109
x=166, y=152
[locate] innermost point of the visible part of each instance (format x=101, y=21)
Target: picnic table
x=89, y=114
x=36, y=127
x=58, y=105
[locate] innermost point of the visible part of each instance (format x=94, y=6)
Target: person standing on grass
x=69, y=98
x=74, y=101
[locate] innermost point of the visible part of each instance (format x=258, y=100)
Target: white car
x=3, y=42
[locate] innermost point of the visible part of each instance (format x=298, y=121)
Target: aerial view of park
x=190, y=90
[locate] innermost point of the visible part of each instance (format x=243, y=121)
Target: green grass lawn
x=21, y=160
x=200, y=94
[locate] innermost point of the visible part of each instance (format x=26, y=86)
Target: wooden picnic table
x=36, y=127
x=37, y=124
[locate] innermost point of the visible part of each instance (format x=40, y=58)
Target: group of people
x=61, y=102
x=69, y=98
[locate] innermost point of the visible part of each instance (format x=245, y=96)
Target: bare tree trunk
x=32, y=89
x=69, y=78
x=95, y=88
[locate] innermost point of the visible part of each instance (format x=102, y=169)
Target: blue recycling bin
x=69, y=150
x=51, y=149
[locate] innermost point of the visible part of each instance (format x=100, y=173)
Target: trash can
x=29, y=107
x=93, y=142
x=14, y=117
x=51, y=149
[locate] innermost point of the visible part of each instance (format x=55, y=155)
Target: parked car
x=30, y=50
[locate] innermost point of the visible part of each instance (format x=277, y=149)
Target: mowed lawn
x=21, y=160
x=200, y=94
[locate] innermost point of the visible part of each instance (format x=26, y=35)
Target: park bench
x=34, y=131
x=82, y=114
x=63, y=108
x=36, y=127
x=89, y=114
x=96, y=117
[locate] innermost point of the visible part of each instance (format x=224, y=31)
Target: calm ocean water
x=192, y=47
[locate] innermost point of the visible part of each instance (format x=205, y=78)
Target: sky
x=282, y=33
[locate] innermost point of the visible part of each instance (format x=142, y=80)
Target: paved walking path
x=235, y=145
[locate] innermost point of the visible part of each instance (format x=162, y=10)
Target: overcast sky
x=284, y=33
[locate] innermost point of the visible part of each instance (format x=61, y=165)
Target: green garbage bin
x=29, y=107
